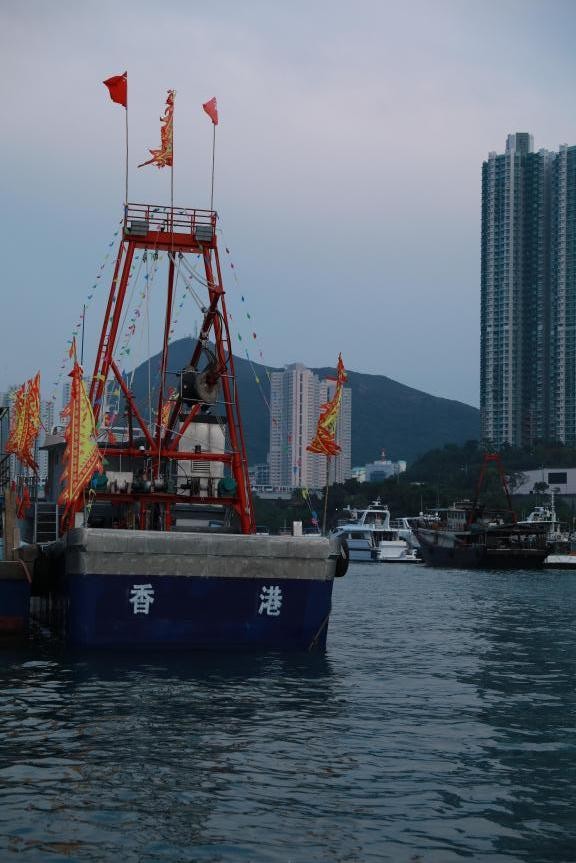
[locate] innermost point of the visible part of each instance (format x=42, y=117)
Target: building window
x=558, y=478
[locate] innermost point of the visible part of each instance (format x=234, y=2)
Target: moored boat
x=164, y=552
x=465, y=537
x=561, y=560
x=370, y=537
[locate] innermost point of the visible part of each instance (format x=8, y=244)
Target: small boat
x=370, y=536
x=561, y=560
x=545, y=515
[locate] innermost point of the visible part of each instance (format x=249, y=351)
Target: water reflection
x=150, y=745
x=438, y=727
x=526, y=688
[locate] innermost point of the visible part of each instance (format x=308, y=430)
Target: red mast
x=209, y=376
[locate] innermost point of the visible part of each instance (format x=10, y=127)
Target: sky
x=348, y=167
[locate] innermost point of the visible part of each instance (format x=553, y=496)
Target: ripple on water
x=438, y=727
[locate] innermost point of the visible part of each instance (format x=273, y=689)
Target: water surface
x=439, y=726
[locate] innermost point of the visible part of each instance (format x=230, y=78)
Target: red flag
x=211, y=109
x=118, y=87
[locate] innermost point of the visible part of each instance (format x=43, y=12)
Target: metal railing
x=142, y=219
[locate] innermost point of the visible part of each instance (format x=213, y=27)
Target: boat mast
x=178, y=233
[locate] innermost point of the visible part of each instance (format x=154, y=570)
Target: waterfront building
x=40, y=455
x=383, y=468
x=528, y=295
x=259, y=474
x=543, y=480
x=296, y=394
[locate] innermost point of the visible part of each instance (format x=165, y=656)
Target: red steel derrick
x=177, y=232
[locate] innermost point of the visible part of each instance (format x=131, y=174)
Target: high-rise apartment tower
x=295, y=398
x=528, y=295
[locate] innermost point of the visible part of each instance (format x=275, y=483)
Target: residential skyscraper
x=528, y=295
x=295, y=398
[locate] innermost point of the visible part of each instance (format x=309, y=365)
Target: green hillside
x=385, y=414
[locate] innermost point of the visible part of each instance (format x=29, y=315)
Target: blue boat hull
x=14, y=605
x=196, y=613
x=147, y=590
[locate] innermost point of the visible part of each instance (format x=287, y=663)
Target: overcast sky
x=348, y=164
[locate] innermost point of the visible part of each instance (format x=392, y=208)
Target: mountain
x=385, y=414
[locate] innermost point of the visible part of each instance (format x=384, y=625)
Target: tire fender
x=343, y=559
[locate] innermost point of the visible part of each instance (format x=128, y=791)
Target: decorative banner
x=82, y=458
x=78, y=325
x=325, y=440
x=26, y=422
x=163, y=156
x=167, y=407
x=211, y=109
x=118, y=87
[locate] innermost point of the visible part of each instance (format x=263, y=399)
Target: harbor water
x=439, y=726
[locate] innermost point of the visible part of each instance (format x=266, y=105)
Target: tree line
x=436, y=479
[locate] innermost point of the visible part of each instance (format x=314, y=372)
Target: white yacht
x=404, y=527
x=370, y=536
x=546, y=515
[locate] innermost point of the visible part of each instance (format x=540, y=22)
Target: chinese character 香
x=142, y=597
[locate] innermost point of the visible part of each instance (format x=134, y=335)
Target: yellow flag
x=82, y=458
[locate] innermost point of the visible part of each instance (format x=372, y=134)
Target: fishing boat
x=157, y=544
x=370, y=537
x=467, y=535
x=161, y=550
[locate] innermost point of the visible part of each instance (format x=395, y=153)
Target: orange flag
x=82, y=458
x=167, y=407
x=325, y=439
x=26, y=422
x=163, y=156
